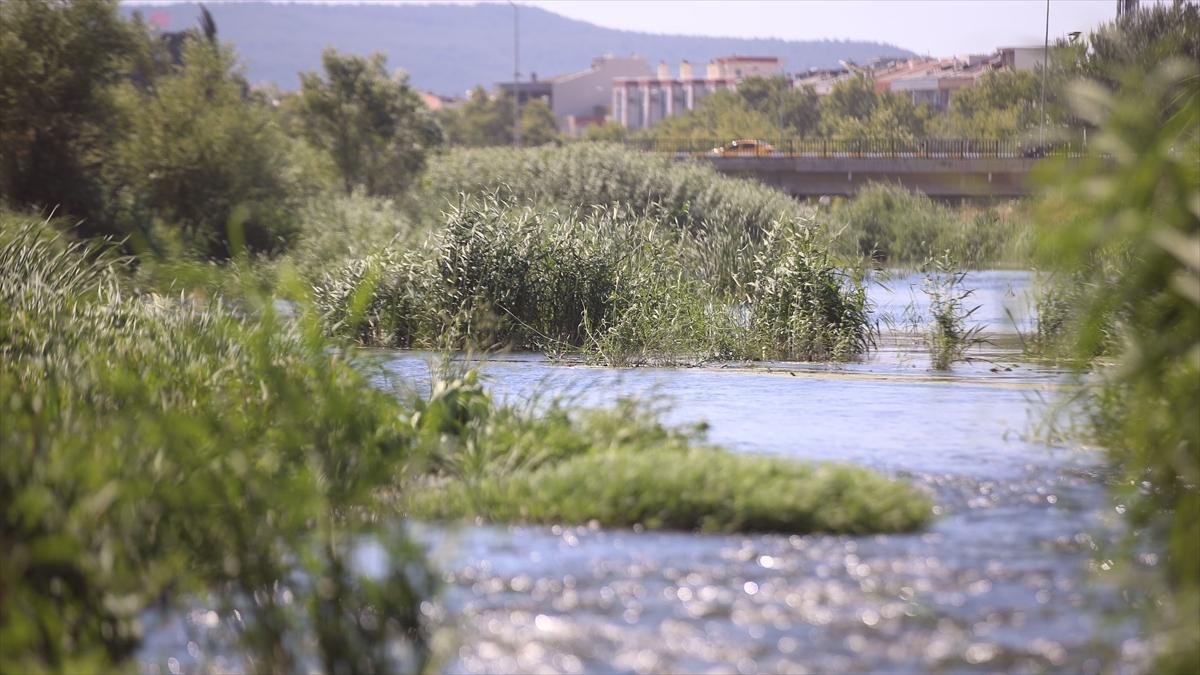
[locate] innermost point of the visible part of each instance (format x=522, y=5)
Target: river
x=1011, y=575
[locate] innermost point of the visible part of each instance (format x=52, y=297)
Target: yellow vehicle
x=746, y=147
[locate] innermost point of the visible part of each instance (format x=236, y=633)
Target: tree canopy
x=375, y=128
x=53, y=135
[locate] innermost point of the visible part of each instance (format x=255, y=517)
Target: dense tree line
x=159, y=138
x=487, y=120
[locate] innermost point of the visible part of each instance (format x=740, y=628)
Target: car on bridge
x=744, y=148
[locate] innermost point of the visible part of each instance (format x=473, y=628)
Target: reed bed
x=889, y=224
x=606, y=283
x=724, y=215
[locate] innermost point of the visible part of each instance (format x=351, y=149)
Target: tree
x=206, y=163
x=893, y=119
x=58, y=62
x=481, y=121
x=1001, y=104
x=797, y=111
x=854, y=97
x=609, y=131
x=1140, y=40
x=374, y=127
x=717, y=119
x=538, y=126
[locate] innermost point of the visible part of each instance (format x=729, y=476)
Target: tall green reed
x=607, y=283
x=159, y=448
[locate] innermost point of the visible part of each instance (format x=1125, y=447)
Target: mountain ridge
x=450, y=48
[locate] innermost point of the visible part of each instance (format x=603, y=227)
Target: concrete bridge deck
x=938, y=167
x=959, y=177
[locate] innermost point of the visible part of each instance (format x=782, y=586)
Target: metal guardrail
x=934, y=148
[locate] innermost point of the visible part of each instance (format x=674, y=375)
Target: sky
x=936, y=27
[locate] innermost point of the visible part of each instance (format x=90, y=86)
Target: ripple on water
x=999, y=582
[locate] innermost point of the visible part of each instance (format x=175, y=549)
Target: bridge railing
x=935, y=148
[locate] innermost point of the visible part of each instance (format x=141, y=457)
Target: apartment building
x=934, y=81
x=642, y=102
x=580, y=99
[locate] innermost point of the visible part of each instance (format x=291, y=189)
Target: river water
x=1010, y=576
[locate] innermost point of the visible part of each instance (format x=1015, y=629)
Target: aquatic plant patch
x=702, y=489
x=608, y=284
x=623, y=468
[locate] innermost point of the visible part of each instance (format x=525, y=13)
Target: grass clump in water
x=702, y=489
x=621, y=467
x=948, y=336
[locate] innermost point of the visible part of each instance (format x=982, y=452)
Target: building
x=929, y=81
x=437, y=101
x=1022, y=58
x=579, y=99
x=642, y=102
x=933, y=81
x=582, y=99
x=821, y=80
x=739, y=67
x=529, y=91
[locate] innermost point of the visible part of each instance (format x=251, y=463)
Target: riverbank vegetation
x=1123, y=233
x=191, y=422
x=160, y=448
x=621, y=288
x=892, y=226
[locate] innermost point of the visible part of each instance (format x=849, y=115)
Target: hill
x=450, y=48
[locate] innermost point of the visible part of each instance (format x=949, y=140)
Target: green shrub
x=1123, y=224
x=156, y=448
x=203, y=165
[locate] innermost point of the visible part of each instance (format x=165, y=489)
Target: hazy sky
x=939, y=27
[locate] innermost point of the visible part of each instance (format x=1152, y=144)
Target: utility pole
x=783, y=87
x=1045, y=70
x=516, y=78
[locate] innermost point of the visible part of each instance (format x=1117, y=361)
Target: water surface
x=1009, y=577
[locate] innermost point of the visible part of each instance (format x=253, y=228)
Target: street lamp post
x=516, y=78
x=1045, y=71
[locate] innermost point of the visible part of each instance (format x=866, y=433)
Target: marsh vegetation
x=189, y=269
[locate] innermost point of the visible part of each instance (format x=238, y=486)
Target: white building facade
x=642, y=102
x=584, y=98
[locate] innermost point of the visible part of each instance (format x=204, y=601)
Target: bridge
x=943, y=168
